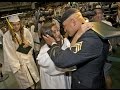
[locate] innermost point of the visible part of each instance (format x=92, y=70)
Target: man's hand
x=80, y=32
x=49, y=40
x=86, y=26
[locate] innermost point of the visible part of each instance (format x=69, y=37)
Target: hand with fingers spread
x=48, y=39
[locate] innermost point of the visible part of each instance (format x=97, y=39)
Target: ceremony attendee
x=51, y=76
x=20, y=63
x=36, y=40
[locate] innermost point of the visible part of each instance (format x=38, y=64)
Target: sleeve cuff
x=53, y=43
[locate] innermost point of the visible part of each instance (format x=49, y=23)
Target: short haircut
x=68, y=13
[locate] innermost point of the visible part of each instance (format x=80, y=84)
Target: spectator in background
x=36, y=40
x=1, y=36
x=115, y=20
x=118, y=15
x=3, y=30
x=118, y=22
x=40, y=24
x=99, y=17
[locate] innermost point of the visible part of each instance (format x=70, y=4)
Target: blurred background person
x=118, y=15
x=99, y=17
x=35, y=39
x=115, y=18
x=1, y=36
x=3, y=30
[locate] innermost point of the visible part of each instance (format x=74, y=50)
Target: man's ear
x=73, y=21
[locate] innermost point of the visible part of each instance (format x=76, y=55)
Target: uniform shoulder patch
x=77, y=47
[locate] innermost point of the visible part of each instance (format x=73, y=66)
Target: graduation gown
x=22, y=65
x=51, y=76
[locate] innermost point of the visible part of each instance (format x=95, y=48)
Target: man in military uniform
x=89, y=58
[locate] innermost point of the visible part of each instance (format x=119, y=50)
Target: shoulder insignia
x=76, y=47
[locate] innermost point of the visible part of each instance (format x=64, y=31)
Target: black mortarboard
x=68, y=13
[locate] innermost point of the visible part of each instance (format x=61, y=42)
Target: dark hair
x=68, y=13
x=94, y=9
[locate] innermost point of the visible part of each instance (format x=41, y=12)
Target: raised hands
x=48, y=39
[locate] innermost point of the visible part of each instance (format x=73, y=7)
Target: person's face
x=16, y=26
x=70, y=26
x=99, y=15
x=56, y=33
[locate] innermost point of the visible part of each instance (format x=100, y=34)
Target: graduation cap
x=68, y=13
x=104, y=30
x=13, y=17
